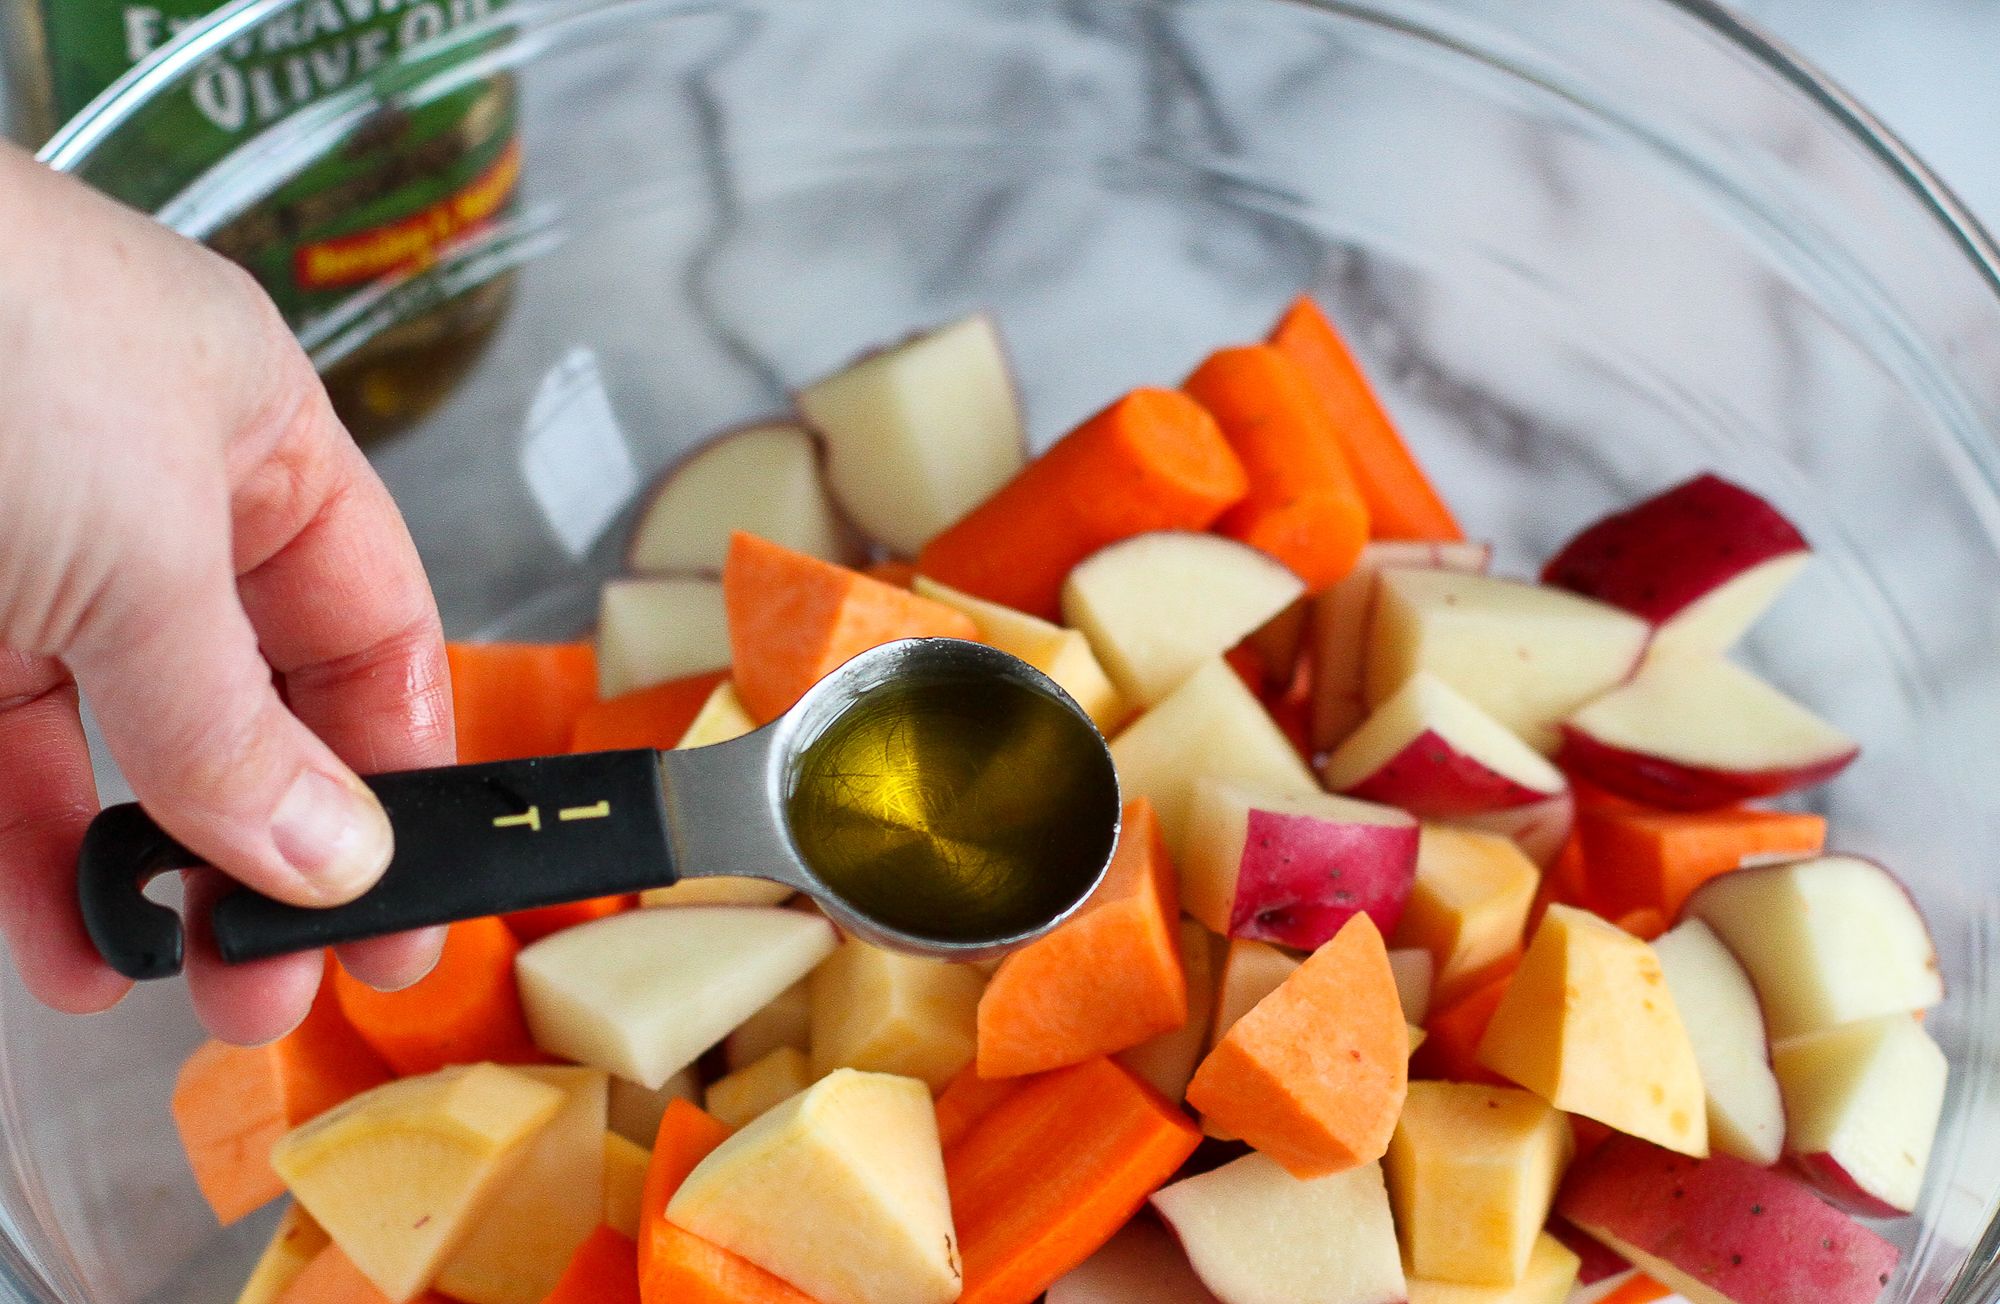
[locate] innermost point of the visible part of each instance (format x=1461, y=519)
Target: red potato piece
x=1722, y=1231
x=1339, y=628
x=650, y=631
x=1339, y=1242
x=1156, y=606
x=1693, y=733
x=1432, y=751
x=920, y=433
x=1719, y=1008
x=763, y=480
x=1826, y=941
x=1142, y=1264
x=1529, y=656
x=1597, y=1263
x=1863, y=1101
x=1700, y=561
x=1293, y=870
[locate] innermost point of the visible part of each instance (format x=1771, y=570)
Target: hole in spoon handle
x=471, y=840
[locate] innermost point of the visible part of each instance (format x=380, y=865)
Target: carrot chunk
x=1640, y=859
x=1107, y=979
x=675, y=1265
x=793, y=619
x=1402, y=502
x=1153, y=460
x=1314, y=1075
x=653, y=717
x=1052, y=1172
x=464, y=1011
x=604, y=1270
x=682, y=1268
x=514, y=700
x=687, y=1134
x=1303, y=507
x=232, y=1103
x=968, y=1098
x=1451, y=1051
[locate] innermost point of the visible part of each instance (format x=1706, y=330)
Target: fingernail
x=334, y=833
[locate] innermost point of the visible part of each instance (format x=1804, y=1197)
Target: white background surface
x=1926, y=67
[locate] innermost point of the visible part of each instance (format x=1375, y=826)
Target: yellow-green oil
x=956, y=811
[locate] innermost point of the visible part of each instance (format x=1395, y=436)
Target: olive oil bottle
x=404, y=188
x=933, y=807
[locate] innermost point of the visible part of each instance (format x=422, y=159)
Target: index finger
x=335, y=589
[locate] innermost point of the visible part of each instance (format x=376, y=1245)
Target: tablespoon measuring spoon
x=932, y=795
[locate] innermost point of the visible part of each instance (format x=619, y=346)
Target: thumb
x=170, y=664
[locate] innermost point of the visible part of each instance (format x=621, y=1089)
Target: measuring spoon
x=913, y=873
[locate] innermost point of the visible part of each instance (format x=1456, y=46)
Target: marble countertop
x=1925, y=67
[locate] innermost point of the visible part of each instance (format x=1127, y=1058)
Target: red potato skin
x=1753, y=1234
x=1660, y=556
x=1670, y=785
x=1432, y=779
x=1288, y=861
x=1832, y=1180
x=1598, y=1260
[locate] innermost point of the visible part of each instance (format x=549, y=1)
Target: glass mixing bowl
x=1585, y=246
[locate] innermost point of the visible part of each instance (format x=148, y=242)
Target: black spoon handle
x=471, y=840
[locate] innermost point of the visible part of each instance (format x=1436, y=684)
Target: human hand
x=182, y=518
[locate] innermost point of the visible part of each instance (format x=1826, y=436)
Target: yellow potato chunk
x=1469, y=904
x=754, y=1088
x=1472, y=1171
x=397, y=1175
x=516, y=1251
x=1589, y=1025
x=292, y=1247
x=1550, y=1276
x=881, y=1011
x=625, y=1165
x=840, y=1191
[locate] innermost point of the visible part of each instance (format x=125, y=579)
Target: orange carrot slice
x=1451, y=1051
x=793, y=619
x=1052, y=1172
x=1314, y=1075
x=604, y=1270
x=1402, y=503
x=232, y=1103
x=653, y=717
x=687, y=1134
x=1107, y=979
x=682, y=1268
x=1153, y=460
x=968, y=1098
x=514, y=700
x=1645, y=923
x=675, y=1265
x=1303, y=507
x=464, y=1011
x=1656, y=859
x=1637, y=1289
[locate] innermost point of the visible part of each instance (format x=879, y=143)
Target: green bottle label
x=409, y=184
